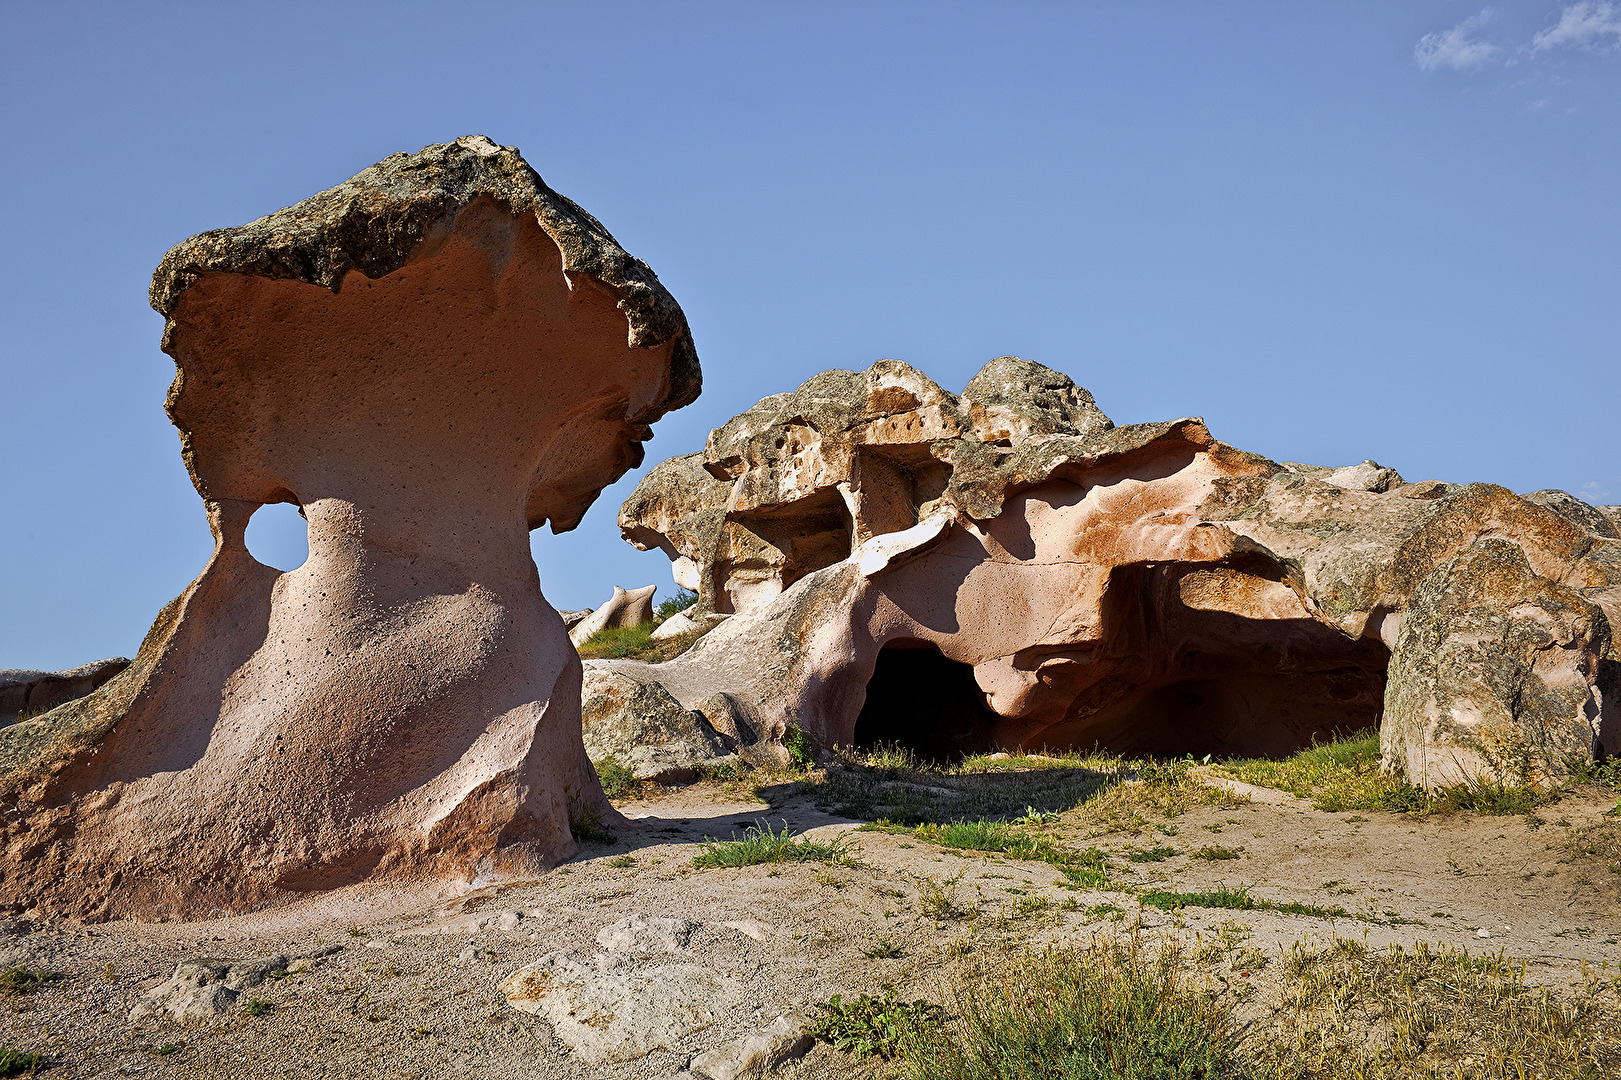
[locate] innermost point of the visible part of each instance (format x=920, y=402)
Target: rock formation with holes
x=430, y=360
x=1007, y=568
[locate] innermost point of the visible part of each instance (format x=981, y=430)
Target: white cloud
x=1585, y=25
x=1454, y=48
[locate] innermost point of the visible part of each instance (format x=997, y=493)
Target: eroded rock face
x=429, y=360
x=1009, y=569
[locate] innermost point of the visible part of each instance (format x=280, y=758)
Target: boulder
x=647, y=730
x=430, y=360
x=1008, y=569
x=625, y=608
x=1495, y=676
x=34, y=692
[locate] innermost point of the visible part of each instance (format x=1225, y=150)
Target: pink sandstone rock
x=1008, y=569
x=430, y=360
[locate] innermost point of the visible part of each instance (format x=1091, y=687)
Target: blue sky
x=1337, y=230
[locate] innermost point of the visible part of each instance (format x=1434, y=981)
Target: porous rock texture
x=430, y=360
x=1007, y=568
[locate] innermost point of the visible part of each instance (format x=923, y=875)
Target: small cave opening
x=924, y=702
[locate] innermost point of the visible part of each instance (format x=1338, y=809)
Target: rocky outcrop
x=1007, y=568
x=29, y=693
x=430, y=360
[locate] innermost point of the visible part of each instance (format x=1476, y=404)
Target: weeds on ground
x=1164, y=788
x=587, y=824
x=1236, y=900
x=16, y=1062
x=1393, y=1014
x=1600, y=841
x=15, y=981
x=1217, y=852
x=761, y=845
x=1103, y=1013
x=1088, y=867
x=801, y=754
x=870, y=1026
x=938, y=899
x=618, y=782
x=884, y=948
x=256, y=1006
x=1153, y=854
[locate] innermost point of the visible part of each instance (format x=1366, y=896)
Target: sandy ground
x=414, y=992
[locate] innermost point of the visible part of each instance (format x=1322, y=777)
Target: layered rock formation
x=430, y=360
x=1007, y=568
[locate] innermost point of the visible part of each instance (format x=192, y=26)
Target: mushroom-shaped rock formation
x=1008, y=569
x=430, y=360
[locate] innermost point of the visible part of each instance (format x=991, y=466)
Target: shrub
x=1100, y=1014
x=618, y=782
x=800, y=751
x=671, y=605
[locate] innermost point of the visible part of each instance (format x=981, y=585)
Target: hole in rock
x=278, y=536
x=926, y=703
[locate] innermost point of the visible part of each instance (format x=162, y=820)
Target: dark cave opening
x=926, y=703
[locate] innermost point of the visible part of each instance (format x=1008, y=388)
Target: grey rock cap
x=375, y=220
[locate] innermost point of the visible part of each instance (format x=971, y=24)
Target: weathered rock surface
x=649, y=732
x=758, y=1053
x=1008, y=569
x=430, y=360
x=626, y=608
x=647, y=934
x=34, y=692
x=201, y=990
x=611, y=1015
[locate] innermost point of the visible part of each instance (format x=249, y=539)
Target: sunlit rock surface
x=1006, y=568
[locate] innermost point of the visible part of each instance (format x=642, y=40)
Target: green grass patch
x=761, y=845
x=1105, y=1013
x=870, y=1026
x=1345, y=774
x=1153, y=854
x=1217, y=852
x=618, y=782
x=1235, y=900
x=636, y=643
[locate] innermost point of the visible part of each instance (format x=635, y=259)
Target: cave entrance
x=928, y=704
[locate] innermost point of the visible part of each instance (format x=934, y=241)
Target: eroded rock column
x=429, y=360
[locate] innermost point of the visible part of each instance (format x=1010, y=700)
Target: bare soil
x=415, y=990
